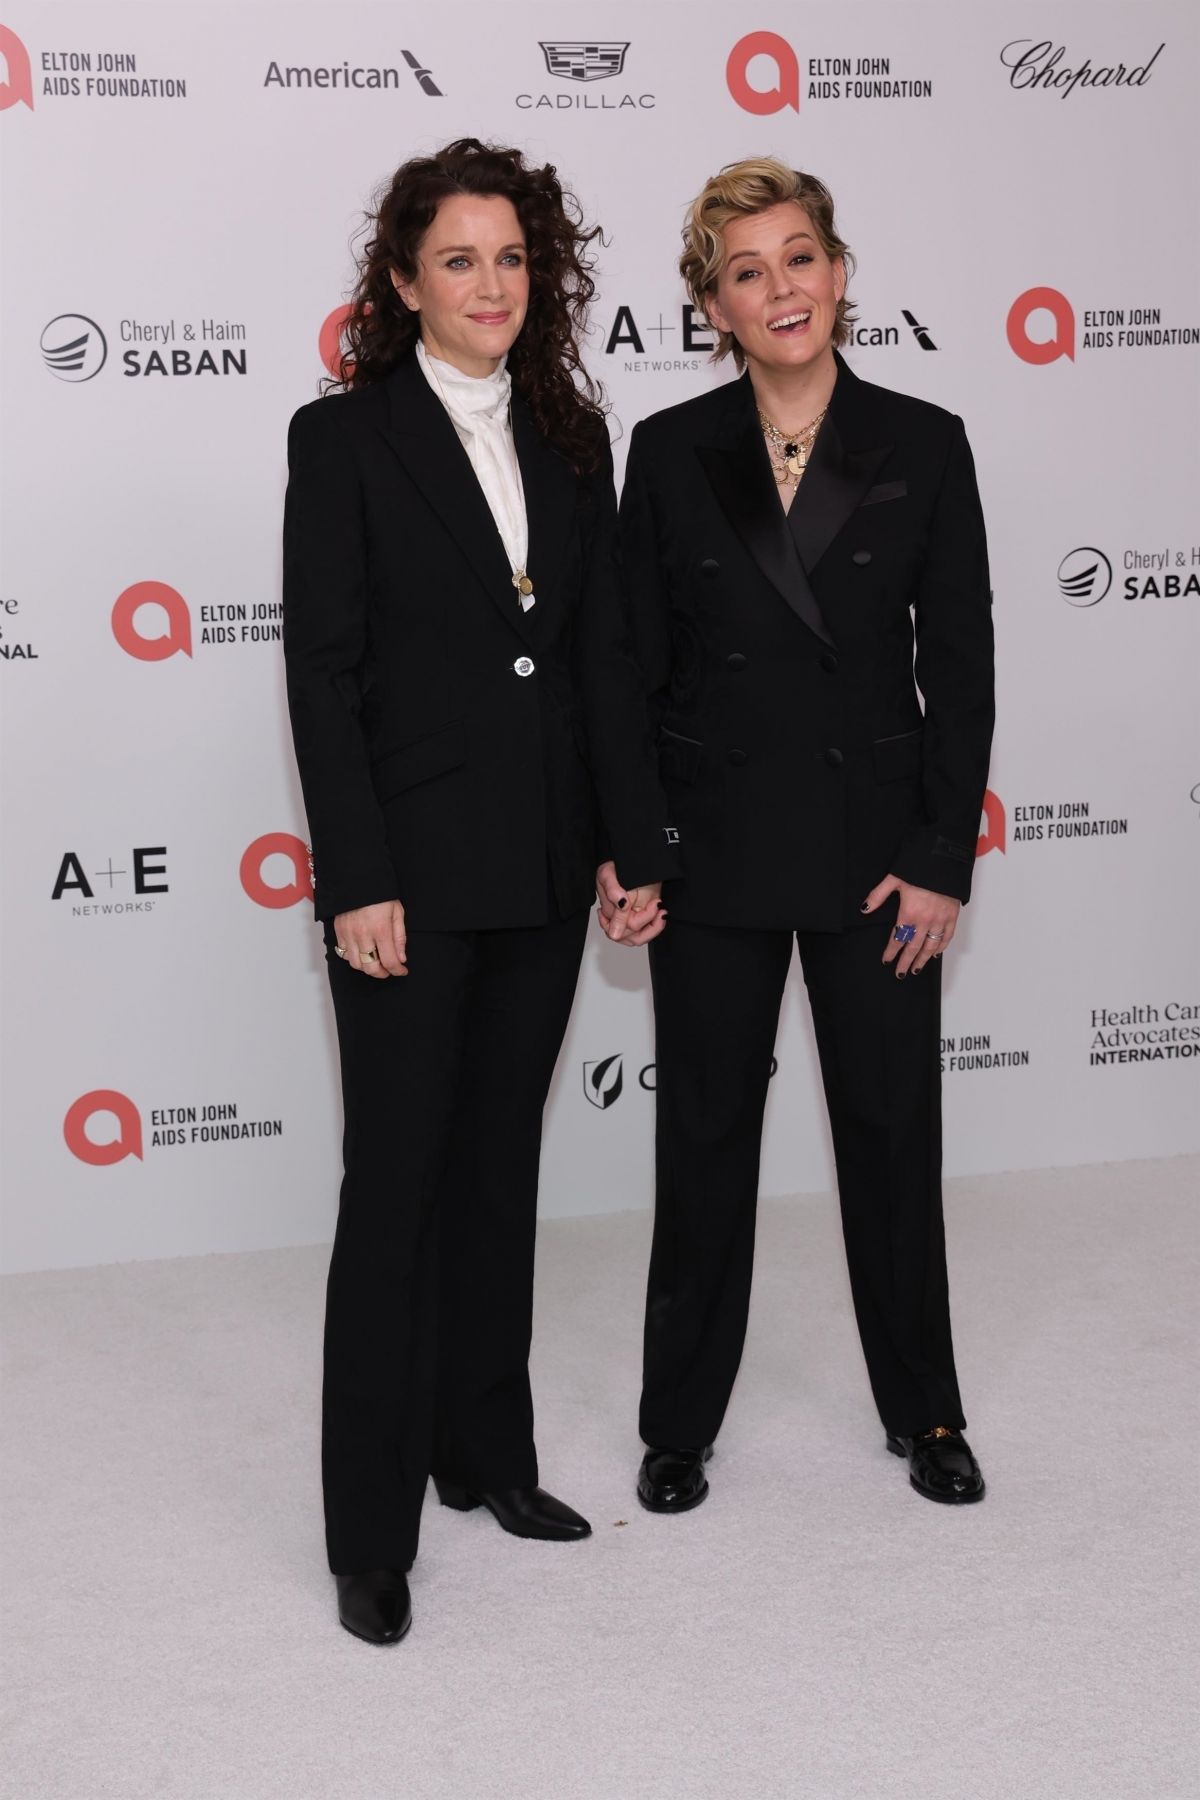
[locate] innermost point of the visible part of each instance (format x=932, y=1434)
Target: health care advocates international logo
x=140, y=612
x=1104, y=327
x=762, y=73
x=346, y=77
x=75, y=348
x=74, y=74
x=1085, y=574
x=585, y=61
x=1041, y=821
x=207, y=1122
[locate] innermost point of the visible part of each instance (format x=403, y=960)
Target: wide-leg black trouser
x=717, y=992
x=445, y=1073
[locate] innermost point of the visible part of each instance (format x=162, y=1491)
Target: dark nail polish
x=622, y=904
x=865, y=906
x=899, y=974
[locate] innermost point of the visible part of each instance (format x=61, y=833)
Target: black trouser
x=717, y=992
x=444, y=1078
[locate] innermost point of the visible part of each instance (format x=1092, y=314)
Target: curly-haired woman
x=470, y=732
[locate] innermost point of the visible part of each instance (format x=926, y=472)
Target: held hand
x=933, y=918
x=629, y=916
x=372, y=939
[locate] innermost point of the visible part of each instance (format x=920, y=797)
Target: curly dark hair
x=544, y=362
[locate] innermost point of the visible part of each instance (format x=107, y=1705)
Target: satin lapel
x=741, y=478
x=834, y=483
x=421, y=435
x=549, y=487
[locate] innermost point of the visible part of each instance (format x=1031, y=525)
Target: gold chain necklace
x=790, y=450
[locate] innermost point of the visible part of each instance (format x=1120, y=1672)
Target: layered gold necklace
x=790, y=450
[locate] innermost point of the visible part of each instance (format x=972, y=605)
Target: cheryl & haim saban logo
x=1164, y=572
x=73, y=347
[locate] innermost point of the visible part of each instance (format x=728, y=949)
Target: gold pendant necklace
x=790, y=450
x=524, y=587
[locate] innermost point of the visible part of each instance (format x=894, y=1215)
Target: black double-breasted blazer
x=800, y=764
x=453, y=751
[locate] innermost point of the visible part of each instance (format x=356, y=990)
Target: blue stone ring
x=904, y=934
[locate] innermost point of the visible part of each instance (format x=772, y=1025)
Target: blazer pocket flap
x=884, y=490
x=898, y=758
x=678, y=757
x=433, y=754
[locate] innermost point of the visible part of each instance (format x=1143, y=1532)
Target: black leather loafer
x=673, y=1481
x=523, y=1512
x=940, y=1465
x=375, y=1605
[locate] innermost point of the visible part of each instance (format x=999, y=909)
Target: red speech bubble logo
x=18, y=89
x=178, y=635
x=128, y=1141
x=1042, y=299
x=329, y=343
x=764, y=100
x=994, y=835
x=276, y=843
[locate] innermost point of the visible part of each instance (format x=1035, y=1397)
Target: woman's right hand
x=372, y=939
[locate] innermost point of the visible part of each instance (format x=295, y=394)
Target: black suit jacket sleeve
x=643, y=564
x=324, y=644
x=954, y=671
x=624, y=764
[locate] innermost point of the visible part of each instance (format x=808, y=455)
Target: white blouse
x=478, y=406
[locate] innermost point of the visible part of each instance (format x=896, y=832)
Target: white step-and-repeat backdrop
x=181, y=187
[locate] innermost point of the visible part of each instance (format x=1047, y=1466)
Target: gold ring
x=338, y=951
x=366, y=956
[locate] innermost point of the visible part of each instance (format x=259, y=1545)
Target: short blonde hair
x=738, y=192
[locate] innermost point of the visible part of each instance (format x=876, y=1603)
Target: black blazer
x=778, y=652
x=451, y=747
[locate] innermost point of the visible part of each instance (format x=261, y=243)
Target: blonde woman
x=790, y=539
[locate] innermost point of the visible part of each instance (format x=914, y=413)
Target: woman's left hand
x=934, y=917
x=631, y=916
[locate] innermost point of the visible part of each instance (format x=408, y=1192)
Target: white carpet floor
x=816, y=1630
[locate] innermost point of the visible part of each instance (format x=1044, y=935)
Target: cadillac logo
x=584, y=62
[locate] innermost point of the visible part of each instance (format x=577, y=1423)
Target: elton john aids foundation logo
x=994, y=832
x=329, y=342
x=16, y=88
x=73, y=347
x=138, y=617
x=267, y=856
x=103, y=1151
x=775, y=50
x=1038, y=350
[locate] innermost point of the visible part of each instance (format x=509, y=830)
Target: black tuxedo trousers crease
x=472, y=761
x=821, y=685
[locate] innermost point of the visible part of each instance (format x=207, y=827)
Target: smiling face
x=472, y=287
x=778, y=291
